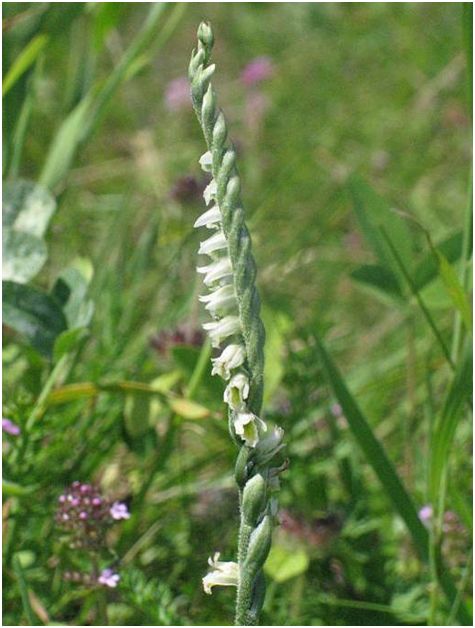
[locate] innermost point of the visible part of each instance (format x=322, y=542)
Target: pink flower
x=108, y=578
x=177, y=94
x=259, y=69
x=425, y=514
x=119, y=511
x=10, y=428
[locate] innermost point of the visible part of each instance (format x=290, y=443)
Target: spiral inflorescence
x=233, y=303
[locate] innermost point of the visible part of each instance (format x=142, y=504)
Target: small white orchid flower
x=237, y=391
x=206, y=161
x=224, y=574
x=247, y=425
x=220, y=300
x=216, y=242
x=216, y=271
x=219, y=330
x=211, y=218
x=231, y=357
x=210, y=192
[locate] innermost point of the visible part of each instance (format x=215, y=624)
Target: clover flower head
x=223, y=574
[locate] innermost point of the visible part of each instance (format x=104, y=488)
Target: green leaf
x=33, y=314
x=68, y=341
x=375, y=453
x=27, y=206
x=445, y=427
x=63, y=148
x=71, y=289
x=455, y=290
x=284, y=563
x=23, y=255
x=379, y=279
x=373, y=213
x=427, y=269
x=23, y=61
x=12, y=489
x=386, y=473
x=188, y=409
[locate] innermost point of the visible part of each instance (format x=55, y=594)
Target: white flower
x=220, y=300
x=211, y=218
x=206, y=161
x=237, y=391
x=214, y=243
x=224, y=574
x=247, y=427
x=231, y=357
x=210, y=192
x=216, y=270
x=218, y=330
x=269, y=445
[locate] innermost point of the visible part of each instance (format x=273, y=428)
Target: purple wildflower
x=258, y=70
x=108, y=578
x=425, y=514
x=10, y=428
x=119, y=511
x=177, y=94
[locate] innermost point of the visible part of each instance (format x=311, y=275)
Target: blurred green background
x=360, y=110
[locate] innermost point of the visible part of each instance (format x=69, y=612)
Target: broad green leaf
x=71, y=289
x=23, y=255
x=394, y=488
x=25, y=59
x=33, y=314
x=27, y=206
x=427, y=269
x=188, y=409
x=374, y=213
x=284, y=563
x=379, y=279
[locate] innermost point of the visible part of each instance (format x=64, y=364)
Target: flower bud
x=253, y=499
x=205, y=34
x=259, y=546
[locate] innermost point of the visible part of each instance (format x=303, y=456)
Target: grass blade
x=24, y=60
x=376, y=456
x=22, y=585
x=419, y=300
